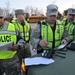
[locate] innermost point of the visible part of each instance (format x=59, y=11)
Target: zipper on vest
x=53, y=30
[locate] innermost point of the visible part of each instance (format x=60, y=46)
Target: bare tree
x=7, y=8
x=52, y=1
x=33, y=11
x=27, y=9
x=1, y=11
x=73, y=6
x=13, y=11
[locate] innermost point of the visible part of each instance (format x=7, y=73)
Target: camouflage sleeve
x=35, y=37
x=21, y=43
x=66, y=37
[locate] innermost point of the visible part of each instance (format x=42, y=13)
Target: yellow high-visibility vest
x=69, y=27
x=26, y=31
x=7, y=34
x=47, y=34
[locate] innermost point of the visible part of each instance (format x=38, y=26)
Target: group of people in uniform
x=49, y=34
x=52, y=32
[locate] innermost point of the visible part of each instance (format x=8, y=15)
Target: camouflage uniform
x=36, y=36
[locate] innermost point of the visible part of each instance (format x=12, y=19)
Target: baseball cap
x=71, y=11
x=19, y=11
x=52, y=10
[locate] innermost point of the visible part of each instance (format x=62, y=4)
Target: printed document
x=37, y=61
x=61, y=46
x=4, y=47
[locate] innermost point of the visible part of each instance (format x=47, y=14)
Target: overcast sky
x=41, y=4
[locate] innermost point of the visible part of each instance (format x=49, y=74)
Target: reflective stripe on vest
x=7, y=34
x=27, y=31
x=47, y=34
x=70, y=31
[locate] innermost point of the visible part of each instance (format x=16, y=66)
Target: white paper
x=37, y=61
x=61, y=46
x=4, y=47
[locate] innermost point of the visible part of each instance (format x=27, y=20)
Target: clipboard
x=62, y=46
x=4, y=47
